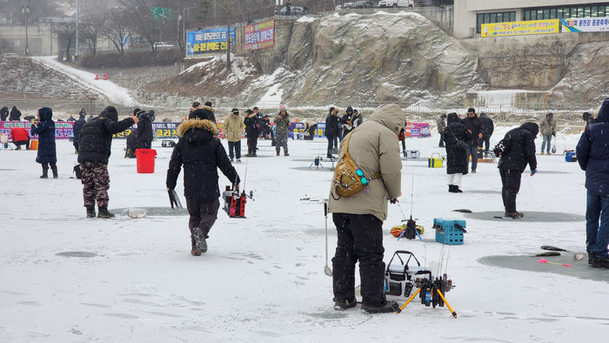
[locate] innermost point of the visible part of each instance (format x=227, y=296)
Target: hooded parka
x=96, y=136
x=233, y=128
x=374, y=147
x=47, y=152
x=456, y=159
x=521, y=148
x=593, y=152
x=332, y=128
x=202, y=154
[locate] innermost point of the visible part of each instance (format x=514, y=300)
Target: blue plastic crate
x=447, y=233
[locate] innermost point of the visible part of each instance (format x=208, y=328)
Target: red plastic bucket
x=145, y=160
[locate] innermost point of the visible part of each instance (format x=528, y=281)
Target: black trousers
x=360, y=239
x=510, y=180
x=252, y=142
x=485, y=142
x=236, y=146
x=332, y=142
x=202, y=215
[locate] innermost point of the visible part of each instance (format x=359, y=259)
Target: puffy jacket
x=547, y=126
x=441, y=124
x=456, y=159
x=78, y=124
x=144, y=128
x=4, y=113
x=487, y=125
x=474, y=125
x=15, y=114
x=593, y=152
x=233, y=128
x=282, y=124
x=205, y=112
x=250, y=125
x=202, y=154
x=521, y=148
x=332, y=127
x=96, y=136
x=19, y=134
x=374, y=147
x=47, y=152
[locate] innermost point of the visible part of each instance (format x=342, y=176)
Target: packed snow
x=66, y=278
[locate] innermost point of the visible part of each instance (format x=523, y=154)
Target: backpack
x=503, y=147
x=348, y=178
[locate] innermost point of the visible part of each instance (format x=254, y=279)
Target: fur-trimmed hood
x=204, y=124
x=334, y=112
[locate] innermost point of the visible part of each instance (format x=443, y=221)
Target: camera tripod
x=430, y=289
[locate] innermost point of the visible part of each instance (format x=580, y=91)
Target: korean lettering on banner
x=584, y=24
x=63, y=130
x=520, y=28
x=260, y=36
x=209, y=41
x=162, y=129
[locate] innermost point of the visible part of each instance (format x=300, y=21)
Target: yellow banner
x=520, y=28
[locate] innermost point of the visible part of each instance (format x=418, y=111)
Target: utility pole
x=25, y=11
x=77, y=20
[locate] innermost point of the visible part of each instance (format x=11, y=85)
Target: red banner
x=260, y=36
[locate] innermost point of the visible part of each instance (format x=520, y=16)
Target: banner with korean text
x=209, y=41
x=520, y=28
x=584, y=24
x=260, y=36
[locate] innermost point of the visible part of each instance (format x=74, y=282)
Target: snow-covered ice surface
x=115, y=93
x=65, y=278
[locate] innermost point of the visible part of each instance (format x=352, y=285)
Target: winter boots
x=45, y=171
x=344, y=305
x=90, y=211
x=104, y=213
x=54, y=169
x=199, y=245
x=454, y=189
x=390, y=306
x=514, y=215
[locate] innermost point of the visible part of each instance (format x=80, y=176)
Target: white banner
x=584, y=24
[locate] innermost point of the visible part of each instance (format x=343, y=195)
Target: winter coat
x=441, y=124
x=144, y=128
x=374, y=147
x=547, y=126
x=487, y=125
x=282, y=124
x=96, y=136
x=332, y=127
x=474, y=125
x=15, y=114
x=250, y=125
x=593, y=152
x=521, y=149
x=19, y=134
x=205, y=112
x=47, y=152
x=4, y=113
x=456, y=159
x=233, y=128
x=78, y=127
x=71, y=118
x=202, y=154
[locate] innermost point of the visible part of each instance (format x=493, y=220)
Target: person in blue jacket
x=593, y=157
x=44, y=127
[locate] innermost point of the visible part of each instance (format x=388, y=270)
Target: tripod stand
x=430, y=289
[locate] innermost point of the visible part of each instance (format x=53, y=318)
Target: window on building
x=491, y=18
x=567, y=11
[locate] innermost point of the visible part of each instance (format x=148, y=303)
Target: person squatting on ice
x=20, y=137
x=359, y=217
x=201, y=154
x=94, y=151
x=456, y=158
x=520, y=151
x=593, y=158
x=47, y=152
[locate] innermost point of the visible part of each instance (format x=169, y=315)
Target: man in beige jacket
x=374, y=147
x=232, y=130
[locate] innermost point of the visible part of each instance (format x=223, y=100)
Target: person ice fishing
x=201, y=154
x=548, y=130
x=78, y=124
x=282, y=129
x=456, y=158
x=441, y=125
x=232, y=130
x=331, y=131
x=475, y=127
x=94, y=151
x=520, y=151
x=359, y=217
x=47, y=152
x=593, y=157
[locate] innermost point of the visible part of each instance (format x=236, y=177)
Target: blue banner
x=209, y=41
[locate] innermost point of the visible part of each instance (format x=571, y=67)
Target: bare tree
x=140, y=17
x=90, y=30
x=65, y=30
x=115, y=28
x=228, y=9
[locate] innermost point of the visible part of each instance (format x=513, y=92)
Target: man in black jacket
x=202, y=154
x=251, y=131
x=4, y=113
x=475, y=127
x=331, y=131
x=76, y=129
x=487, y=131
x=520, y=151
x=94, y=150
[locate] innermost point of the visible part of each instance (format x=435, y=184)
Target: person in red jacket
x=20, y=137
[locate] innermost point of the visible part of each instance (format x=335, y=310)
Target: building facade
x=469, y=15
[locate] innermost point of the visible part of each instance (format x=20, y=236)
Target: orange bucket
x=34, y=145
